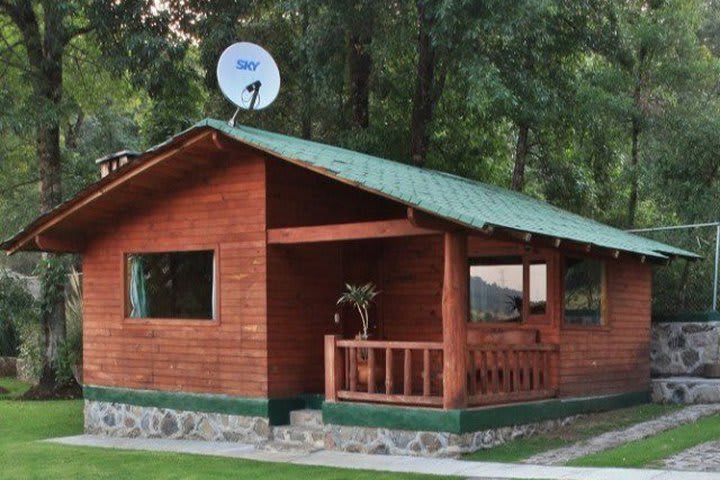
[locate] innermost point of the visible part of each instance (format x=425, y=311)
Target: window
x=538, y=287
x=496, y=289
x=584, y=291
x=171, y=285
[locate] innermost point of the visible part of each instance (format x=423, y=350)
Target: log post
x=454, y=319
x=334, y=368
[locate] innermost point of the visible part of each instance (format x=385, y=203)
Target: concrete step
x=292, y=447
x=311, y=436
x=306, y=418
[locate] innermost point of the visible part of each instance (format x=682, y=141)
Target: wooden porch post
x=333, y=368
x=455, y=317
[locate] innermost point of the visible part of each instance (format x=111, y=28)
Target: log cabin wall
x=613, y=358
x=220, y=206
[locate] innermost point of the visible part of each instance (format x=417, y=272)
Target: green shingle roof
x=458, y=199
x=467, y=202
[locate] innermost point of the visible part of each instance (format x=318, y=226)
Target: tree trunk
x=360, y=66
x=49, y=88
x=521, y=150
x=634, y=174
x=423, y=99
x=307, y=81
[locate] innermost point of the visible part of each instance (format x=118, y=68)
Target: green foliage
x=18, y=310
x=360, y=297
x=71, y=349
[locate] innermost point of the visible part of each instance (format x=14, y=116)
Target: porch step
x=313, y=437
x=290, y=447
x=306, y=418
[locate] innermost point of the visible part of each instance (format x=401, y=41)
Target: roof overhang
x=57, y=229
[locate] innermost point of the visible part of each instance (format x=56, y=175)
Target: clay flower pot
x=363, y=372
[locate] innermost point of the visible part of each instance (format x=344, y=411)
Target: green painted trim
x=276, y=410
x=471, y=420
x=313, y=401
x=709, y=316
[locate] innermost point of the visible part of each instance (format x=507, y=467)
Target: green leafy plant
x=70, y=350
x=360, y=297
x=18, y=308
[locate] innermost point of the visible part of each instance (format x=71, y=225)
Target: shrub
x=17, y=309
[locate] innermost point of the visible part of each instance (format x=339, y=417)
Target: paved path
x=387, y=463
x=704, y=457
x=618, y=437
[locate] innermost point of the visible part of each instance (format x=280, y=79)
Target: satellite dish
x=248, y=76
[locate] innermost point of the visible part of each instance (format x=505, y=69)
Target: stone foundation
x=428, y=444
x=682, y=348
x=686, y=390
x=122, y=420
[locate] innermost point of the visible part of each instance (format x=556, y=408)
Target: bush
x=17, y=309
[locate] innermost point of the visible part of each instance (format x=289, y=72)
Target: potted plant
x=361, y=297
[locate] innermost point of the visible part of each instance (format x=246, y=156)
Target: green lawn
x=22, y=457
x=650, y=451
x=585, y=427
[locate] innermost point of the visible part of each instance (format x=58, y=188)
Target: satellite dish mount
x=242, y=70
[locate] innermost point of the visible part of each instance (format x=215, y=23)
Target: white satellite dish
x=248, y=76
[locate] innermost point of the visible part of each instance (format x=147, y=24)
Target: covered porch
x=465, y=369
x=425, y=352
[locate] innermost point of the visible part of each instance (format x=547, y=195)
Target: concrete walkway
x=387, y=463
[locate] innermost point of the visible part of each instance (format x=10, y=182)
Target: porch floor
x=387, y=463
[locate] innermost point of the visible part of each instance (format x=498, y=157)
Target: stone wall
x=8, y=366
x=682, y=348
x=428, y=444
x=122, y=420
x=685, y=390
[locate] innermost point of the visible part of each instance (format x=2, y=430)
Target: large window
x=500, y=287
x=171, y=285
x=584, y=291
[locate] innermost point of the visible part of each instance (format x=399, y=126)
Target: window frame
x=525, y=316
x=604, y=297
x=208, y=322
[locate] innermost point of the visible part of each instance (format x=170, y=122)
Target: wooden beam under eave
x=47, y=243
x=346, y=231
x=425, y=220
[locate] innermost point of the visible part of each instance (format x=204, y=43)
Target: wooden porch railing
x=411, y=373
x=510, y=373
x=408, y=373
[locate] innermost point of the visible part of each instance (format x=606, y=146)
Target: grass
x=649, y=451
x=583, y=428
x=15, y=388
x=23, y=457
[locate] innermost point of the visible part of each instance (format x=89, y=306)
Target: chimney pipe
x=114, y=161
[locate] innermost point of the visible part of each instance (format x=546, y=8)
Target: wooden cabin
x=213, y=262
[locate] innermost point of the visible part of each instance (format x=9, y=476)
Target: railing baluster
x=389, y=384
x=536, y=370
x=506, y=370
x=426, y=373
x=495, y=373
x=353, y=369
x=472, y=371
x=483, y=373
x=371, y=370
x=407, y=373
x=346, y=383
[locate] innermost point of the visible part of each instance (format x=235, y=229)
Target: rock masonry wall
x=682, y=348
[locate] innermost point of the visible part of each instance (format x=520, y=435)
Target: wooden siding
x=613, y=358
x=220, y=206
